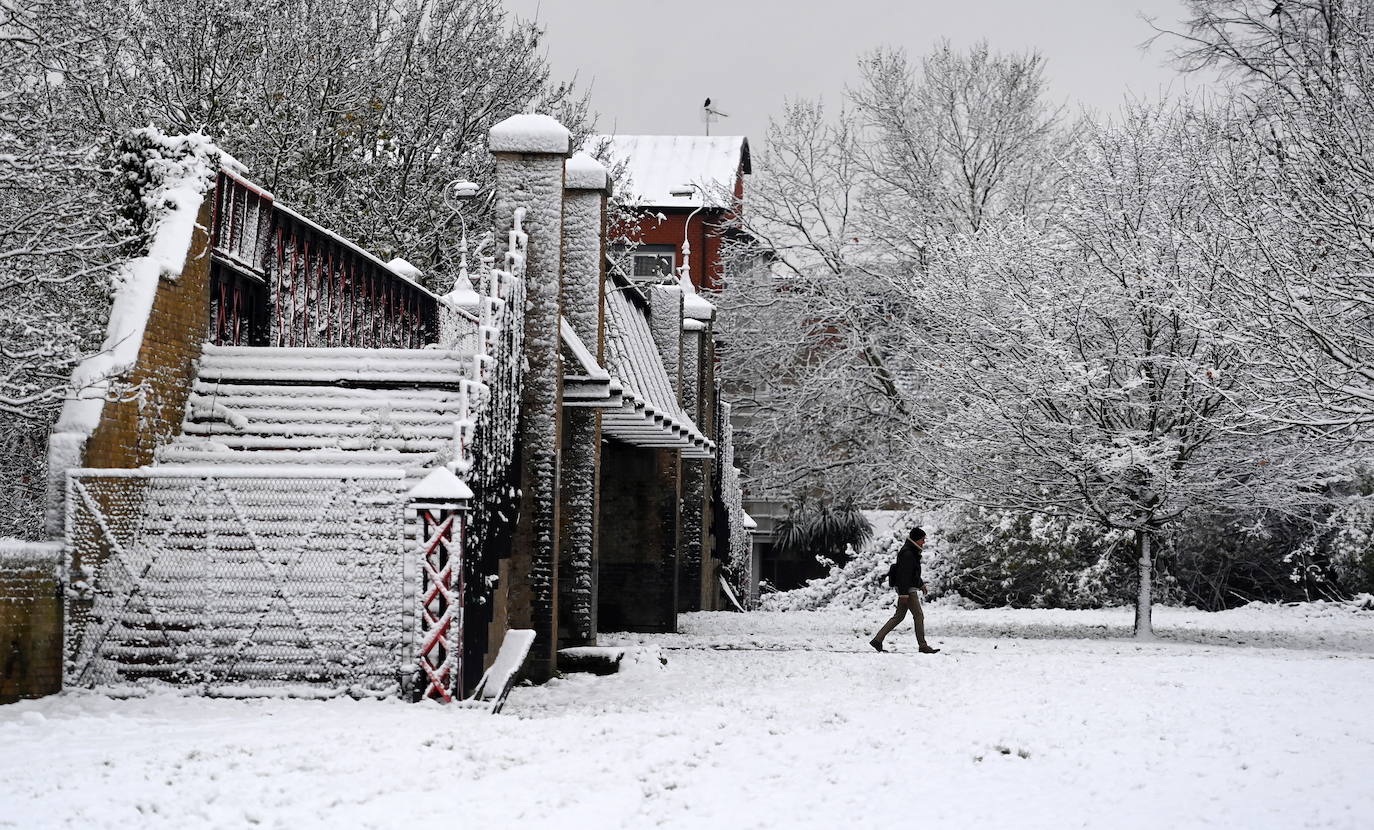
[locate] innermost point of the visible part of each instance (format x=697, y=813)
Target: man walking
x=906, y=578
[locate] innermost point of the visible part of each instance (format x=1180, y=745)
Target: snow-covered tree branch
x=1298, y=183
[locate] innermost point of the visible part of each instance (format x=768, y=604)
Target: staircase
x=323, y=407
x=271, y=539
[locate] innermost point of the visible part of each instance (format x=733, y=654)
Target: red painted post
x=441, y=502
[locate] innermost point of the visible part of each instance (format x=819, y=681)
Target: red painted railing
x=279, y=279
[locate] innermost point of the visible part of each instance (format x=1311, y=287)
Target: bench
x=495, y=685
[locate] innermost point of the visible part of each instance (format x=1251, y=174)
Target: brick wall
x=178, y=326
x=704, y=234
x=30, y=620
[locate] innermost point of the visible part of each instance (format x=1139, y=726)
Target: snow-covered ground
x=1252, y=718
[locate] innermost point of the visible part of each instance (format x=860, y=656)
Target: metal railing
x=280, y=279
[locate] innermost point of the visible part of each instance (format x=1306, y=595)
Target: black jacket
x=908, y=574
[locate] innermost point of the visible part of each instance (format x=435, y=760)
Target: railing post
x=441, y=503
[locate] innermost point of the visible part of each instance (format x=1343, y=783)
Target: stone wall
x=147, y=414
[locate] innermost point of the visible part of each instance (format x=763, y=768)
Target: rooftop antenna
x=710, y=114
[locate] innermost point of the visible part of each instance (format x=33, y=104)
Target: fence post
x=529, y=151
x=441, y=502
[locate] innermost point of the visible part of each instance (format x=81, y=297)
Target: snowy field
x=1259, y=717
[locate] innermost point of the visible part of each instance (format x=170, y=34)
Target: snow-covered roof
x=659, y=164
x=649, y=415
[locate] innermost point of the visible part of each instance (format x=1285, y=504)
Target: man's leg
x=898, y=615
x=918, y=618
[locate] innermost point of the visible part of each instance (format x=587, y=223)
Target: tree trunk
x=1143, y=628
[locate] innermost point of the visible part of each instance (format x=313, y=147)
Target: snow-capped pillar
x=697, y=583
x=696, y=475
x=665, y=324
x=586, y=187
x=529, y=151
x=665, y=321
x=440, y=503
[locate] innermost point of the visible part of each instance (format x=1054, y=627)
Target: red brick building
x=686, y=187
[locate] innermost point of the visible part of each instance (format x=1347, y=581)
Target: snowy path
x=769, y=720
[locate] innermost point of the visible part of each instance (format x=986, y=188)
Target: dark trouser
x=906, y=602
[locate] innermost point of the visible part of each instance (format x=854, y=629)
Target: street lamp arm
x=687, y=190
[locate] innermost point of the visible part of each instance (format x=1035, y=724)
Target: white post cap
x=530, y=133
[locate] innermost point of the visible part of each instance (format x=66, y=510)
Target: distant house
x=707, y=175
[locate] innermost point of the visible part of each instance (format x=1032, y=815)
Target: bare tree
x=359, y=123
x=970, y=137
x=1083, y=371
x=847, y=209
x=1299, y=186
x=813, y=366
x=59, y=236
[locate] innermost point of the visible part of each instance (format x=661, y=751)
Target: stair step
x=306, y=437
x=339, y=394
x=315, y=402
x=419, y=367
x=202, y=409
x=189, y=451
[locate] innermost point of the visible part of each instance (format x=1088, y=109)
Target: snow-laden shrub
x=1351, y=544
x=818, y=528
x=1028, y=560
x=1212, y=561
x=1227, y=559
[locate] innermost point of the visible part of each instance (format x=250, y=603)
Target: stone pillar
x=583, y=290
x=695, y=478
x=665, y=322
x=529, y=151
x=712, y=551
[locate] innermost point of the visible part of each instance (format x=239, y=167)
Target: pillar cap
x=530, y=133
x=582, y=172
x=441, y=486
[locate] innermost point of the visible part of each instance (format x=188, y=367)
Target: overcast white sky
x=650, y=63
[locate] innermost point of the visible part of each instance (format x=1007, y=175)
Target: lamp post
x=457, y=193
x=685, y=191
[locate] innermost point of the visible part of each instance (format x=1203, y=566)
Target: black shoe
x=877, y=646
x=929, y=650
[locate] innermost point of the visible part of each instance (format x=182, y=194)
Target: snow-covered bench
x=495, y=685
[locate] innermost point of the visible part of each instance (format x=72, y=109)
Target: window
x=653, y=261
